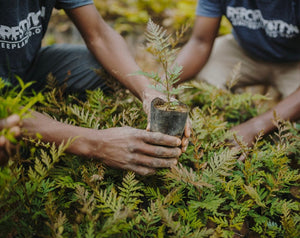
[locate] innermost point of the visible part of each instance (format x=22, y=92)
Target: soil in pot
x=166, y=120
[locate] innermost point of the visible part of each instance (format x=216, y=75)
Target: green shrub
x=47, y=193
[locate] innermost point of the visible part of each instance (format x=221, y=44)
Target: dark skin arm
x=126, y=148
x=194, y=56
x=109, y=48
x=195, y=53
x=111, y=51
x=287, y=109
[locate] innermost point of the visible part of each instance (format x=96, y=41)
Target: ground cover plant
x=47, y=193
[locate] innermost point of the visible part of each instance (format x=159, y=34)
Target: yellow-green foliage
x=13, y=100
x=127, y=14
x=45, y=192
x=163, y=47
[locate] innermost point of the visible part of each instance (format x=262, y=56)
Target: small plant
x=162, y=46
x=166, y=116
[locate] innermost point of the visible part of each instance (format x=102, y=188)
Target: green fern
x=129, y=191
x=162, y=47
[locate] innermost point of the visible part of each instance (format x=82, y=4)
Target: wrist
x=138, y=85
x=261, y=123
x=149, y=93
x=86, y=143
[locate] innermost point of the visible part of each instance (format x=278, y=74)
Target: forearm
x=287, y=109
x=115, y=57
x=192, y=58
x=109, y=48
x=195, y=53
x=56, y=132
x=136, y=150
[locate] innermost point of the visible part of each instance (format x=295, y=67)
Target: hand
x=247, y=132
x=186, y=136
x=148, y=96
x=137, y=150
x=12, y=122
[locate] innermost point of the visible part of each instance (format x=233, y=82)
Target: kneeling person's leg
x=226, y=54
x=286, y=77
x=71, y=65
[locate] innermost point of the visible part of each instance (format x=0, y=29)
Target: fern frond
x=109, y=202
x=129, y=190
x=186, y=176
x=116, y=225
x=254, y=194
x=157, y=38
x=221, y=166
x=211, y=202
x=85, y=117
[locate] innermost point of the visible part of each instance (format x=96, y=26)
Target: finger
x=152, y=162
x=157, y=151
x=187, y=129
x=10, y=121
x=157, y=138
x=140, y=169
x=13, y=120
x=184, y=144
x=16, y=131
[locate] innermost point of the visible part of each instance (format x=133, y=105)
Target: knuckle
x=156, y=163
x=157, y=136
x=131, y=148
x=132, y=158
x=149, y=135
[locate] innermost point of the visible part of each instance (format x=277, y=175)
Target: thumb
x=148, y=127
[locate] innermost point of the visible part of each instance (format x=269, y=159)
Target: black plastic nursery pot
x=170, y=122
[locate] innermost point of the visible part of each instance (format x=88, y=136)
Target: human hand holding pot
x=133, y=149
x=12, y=123
x=148, y=96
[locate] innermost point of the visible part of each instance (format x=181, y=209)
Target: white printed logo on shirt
x=253, y=19
x=17, y=36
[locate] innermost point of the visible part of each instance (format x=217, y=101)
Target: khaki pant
x=229, y=61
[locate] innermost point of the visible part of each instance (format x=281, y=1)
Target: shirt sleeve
x=69, y=4
x=209, y=8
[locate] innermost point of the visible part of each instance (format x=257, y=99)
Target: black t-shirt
x=23, y=24
x=266, y=29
